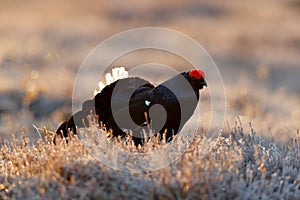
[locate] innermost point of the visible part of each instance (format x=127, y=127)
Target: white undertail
x=117, y=73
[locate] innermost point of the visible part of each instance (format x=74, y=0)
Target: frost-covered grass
x=239, y=165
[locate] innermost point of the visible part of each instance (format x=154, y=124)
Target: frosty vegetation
x=238, y=165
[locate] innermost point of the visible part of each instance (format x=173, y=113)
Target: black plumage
x=178, y=96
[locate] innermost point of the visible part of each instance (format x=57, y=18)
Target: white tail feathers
x=117, y=73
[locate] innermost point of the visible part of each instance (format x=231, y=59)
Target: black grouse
x=173, y=101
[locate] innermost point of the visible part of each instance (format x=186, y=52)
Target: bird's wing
x=119, y=99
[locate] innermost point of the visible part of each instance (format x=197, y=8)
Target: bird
x=173, y=101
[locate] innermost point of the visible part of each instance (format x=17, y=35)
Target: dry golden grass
x=238, y=165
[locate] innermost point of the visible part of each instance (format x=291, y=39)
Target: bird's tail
x=117, y=73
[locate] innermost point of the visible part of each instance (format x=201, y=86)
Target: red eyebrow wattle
x=197, y=74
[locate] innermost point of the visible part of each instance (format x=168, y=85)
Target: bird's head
x=196, y=78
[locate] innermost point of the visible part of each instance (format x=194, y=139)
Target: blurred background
x=255, y=44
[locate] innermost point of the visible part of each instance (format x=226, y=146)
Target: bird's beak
x=204, y=83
